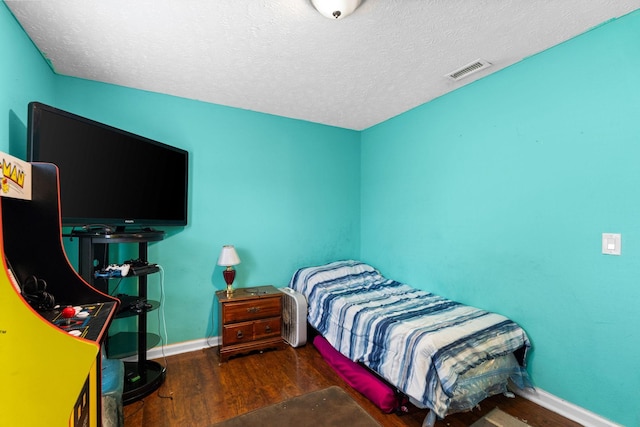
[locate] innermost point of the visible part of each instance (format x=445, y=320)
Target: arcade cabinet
x=52, y=323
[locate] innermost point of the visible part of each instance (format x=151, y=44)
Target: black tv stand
x=143, y=376
x=123, y=229
x=118, y=234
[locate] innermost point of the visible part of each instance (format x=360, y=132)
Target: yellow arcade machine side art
x=48, y=376
x=43, y=371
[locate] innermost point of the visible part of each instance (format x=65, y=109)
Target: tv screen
x=108, y=176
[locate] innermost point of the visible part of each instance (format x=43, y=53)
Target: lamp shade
x=228, y=256
x=336, y=9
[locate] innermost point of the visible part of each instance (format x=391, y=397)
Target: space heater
x=294, y=317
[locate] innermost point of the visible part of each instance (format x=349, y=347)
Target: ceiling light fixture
x=336, y=9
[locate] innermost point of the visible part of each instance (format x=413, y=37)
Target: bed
x=441, y=354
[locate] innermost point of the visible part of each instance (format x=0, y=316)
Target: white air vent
x=468, y=69
x=294, y=317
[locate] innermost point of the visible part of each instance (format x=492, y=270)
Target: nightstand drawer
x=266, y=328
x=250, y=331
x=237, y=332
x=250, y=310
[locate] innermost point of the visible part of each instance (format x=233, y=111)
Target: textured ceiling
x=282, y=57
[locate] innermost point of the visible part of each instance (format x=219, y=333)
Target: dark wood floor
x=199, y=391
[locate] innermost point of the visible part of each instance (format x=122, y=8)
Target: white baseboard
x=564, y=408
x=178, y=348
x=536, y=395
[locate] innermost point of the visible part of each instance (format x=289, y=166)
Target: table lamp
x=228, y=258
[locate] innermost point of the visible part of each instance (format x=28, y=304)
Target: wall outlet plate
x=611, y=243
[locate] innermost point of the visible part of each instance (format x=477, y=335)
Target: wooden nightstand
x=250, y=319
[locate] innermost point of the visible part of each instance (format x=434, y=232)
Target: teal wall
x=283, y=191
x=497, y=195
x=24, y=74
x=280, y=190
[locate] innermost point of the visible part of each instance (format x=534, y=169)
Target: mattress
x=427, y=346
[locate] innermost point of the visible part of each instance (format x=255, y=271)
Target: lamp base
x=229, y=274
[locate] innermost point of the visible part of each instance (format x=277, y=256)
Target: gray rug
x=497, y=418
x=323, y=408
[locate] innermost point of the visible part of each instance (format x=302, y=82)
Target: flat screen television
x=109, y=177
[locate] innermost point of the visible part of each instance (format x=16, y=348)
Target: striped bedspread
x=417, y=341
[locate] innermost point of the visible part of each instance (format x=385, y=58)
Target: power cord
x=163, y=321
x=113, y=292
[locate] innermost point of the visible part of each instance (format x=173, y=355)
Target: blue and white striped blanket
x=419, y=342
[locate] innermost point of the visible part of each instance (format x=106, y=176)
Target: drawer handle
x=253, y=309
x=267, y=329
x=239, y=335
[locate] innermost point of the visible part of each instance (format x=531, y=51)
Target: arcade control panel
x=84, y=321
